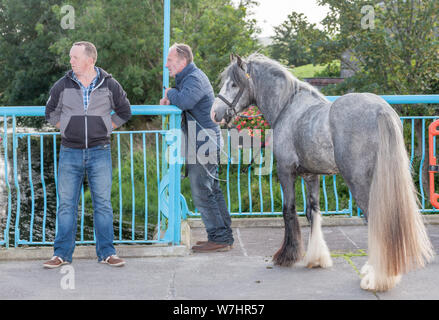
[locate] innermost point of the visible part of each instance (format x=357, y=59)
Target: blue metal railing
x=256, y=195
x=141, y=149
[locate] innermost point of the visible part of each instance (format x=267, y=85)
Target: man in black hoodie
x=80, y=105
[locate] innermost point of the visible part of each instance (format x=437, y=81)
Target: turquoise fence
x=249, y=193
x=145, y=192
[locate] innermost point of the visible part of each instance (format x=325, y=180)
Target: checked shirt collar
x=87, y=91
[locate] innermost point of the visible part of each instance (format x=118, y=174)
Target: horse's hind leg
x=291, y=249
x=317, y=254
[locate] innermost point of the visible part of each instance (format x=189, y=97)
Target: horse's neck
x=300, y=101
x=306, y=99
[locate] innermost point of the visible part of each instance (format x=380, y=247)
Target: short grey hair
x=89, y=49
x=183, y=52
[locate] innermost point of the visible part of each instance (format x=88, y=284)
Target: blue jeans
x=209, y=200
x=74, y=164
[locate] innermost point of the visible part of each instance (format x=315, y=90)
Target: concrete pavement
x=245, y=272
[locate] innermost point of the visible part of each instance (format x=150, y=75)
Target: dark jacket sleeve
x=53, y=109
x=189, y=95
x=121, y=106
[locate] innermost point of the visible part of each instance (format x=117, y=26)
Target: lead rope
x=210, y=137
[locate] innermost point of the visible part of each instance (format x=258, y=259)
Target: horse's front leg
x=291, y=250
x=317, y=254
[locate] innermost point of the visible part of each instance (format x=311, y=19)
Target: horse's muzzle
x=218, y=113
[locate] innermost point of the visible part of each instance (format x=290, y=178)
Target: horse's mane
x=292, y=85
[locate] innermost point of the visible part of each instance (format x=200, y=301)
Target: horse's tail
x=398, y=240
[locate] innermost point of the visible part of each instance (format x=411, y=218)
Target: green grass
x=314, y=71
x=307, y=71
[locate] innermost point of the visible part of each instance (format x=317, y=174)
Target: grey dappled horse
x=358, y=136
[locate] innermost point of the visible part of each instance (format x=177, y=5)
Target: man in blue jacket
x=194, y=95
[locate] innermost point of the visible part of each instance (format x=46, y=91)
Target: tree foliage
x=34, y=48
x=295, y=39
x=396, y=52
x=215, y=29
x=26, y=65
x=392, y=45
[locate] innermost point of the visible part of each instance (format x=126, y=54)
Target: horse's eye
x=234, y=85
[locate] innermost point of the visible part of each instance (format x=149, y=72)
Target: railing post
x=17, y=186
x=7, y=185
x=166, y=40
x=173, y=142
x=177, y=177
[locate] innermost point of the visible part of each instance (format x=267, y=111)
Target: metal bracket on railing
x=433, y=130
x=170, y=137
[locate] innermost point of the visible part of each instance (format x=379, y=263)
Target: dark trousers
x=209, y=200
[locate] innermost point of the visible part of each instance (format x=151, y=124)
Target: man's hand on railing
x=58, y=125
x=165, y=102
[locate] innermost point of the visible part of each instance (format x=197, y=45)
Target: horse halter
x=233, y=104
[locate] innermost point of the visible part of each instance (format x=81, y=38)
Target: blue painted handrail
x=163, y=110
x=403, y=99
x=32, y=111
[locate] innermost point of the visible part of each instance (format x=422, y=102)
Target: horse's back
x=353, y=117
x=364, y=106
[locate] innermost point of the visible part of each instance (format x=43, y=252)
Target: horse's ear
x=232, y=57
x=241, y=63
x=239, y=60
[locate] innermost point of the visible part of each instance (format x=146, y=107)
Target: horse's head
x=235, y=94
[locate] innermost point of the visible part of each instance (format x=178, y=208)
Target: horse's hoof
x=318, y=258
x=283, y=262
x=323, y=262
x=370, y=282
x=286, y=257
x=368, y=278
x=326, y=262
x=312, y=265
